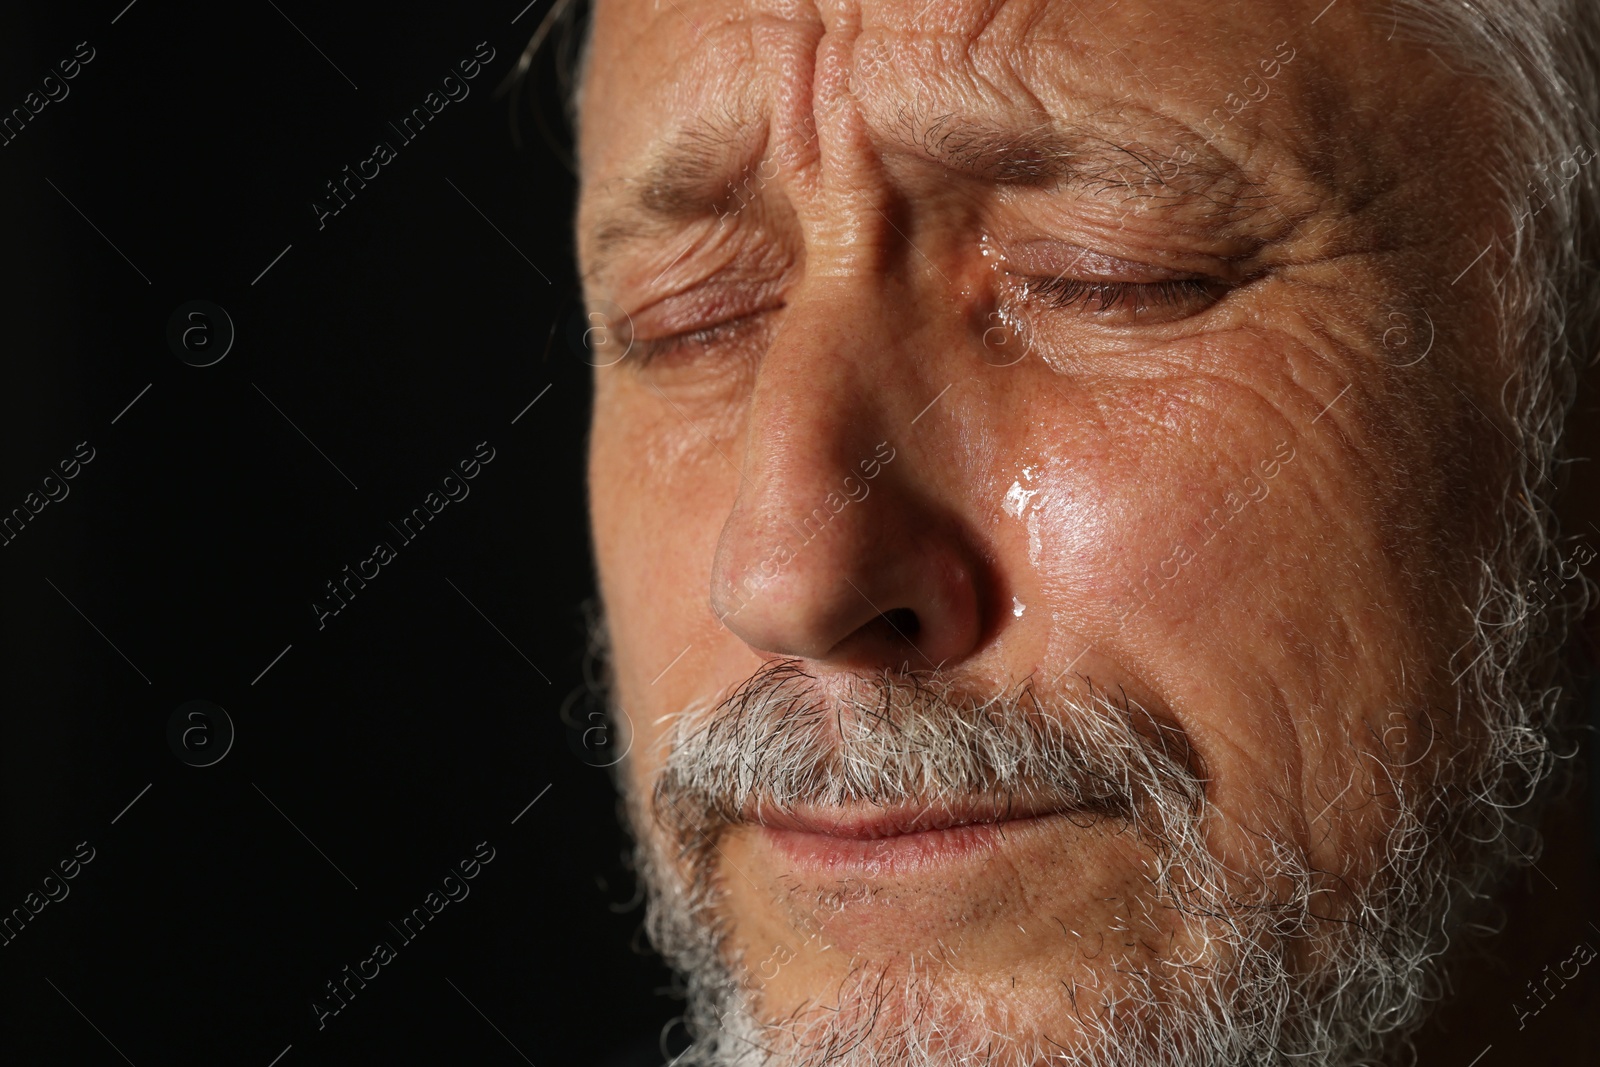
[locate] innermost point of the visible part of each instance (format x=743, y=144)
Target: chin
x=919, y=1010
x=1227, y=987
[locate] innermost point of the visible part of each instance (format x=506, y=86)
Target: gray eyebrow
x=687, y=177
x=698, y=162
x=1103, y=155
x=1017, y=155
x=694, y=170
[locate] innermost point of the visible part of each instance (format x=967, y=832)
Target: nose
x=845, y=545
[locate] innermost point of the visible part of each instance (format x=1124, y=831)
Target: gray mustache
x=777, y=743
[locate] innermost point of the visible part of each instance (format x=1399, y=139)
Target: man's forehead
x=676, y=64
x=1299, y=104
x=667, y=72
x=688, y=53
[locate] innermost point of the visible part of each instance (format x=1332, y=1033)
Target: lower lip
x=903, y=853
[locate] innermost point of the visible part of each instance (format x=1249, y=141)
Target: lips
x=863, y=823
x=908, y=838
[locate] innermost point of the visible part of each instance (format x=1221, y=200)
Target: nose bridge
x=814, y=405
x=827, y=545
x=836, y=549
x=810, y=441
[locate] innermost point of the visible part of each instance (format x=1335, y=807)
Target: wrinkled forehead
x=665, y=71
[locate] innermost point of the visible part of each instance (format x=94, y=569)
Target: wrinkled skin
x=819, y=234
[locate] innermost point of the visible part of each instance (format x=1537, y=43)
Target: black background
x=376, y=353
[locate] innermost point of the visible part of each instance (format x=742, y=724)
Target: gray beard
x=1237, y=995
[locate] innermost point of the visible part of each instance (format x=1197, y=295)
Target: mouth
x=911, y=837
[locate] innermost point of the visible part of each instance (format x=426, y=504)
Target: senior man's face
x=1038, y=460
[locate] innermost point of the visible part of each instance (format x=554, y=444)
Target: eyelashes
x=1132, y=301
x=686, y=343
x=1106, y=303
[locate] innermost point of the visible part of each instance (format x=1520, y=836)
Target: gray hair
x=1541, y=60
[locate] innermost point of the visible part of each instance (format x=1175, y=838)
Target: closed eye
x=1161, y=301
x=687, y=343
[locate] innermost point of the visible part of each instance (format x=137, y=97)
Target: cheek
x=1126, y=496
x=1232, y=610
x=658, y=495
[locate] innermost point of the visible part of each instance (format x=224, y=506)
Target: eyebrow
x=1037, y=155
x=694, y=172
x=688, y=178
x=700, y=160
x=1155, y=157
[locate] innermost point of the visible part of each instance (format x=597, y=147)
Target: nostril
x=902, y=622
